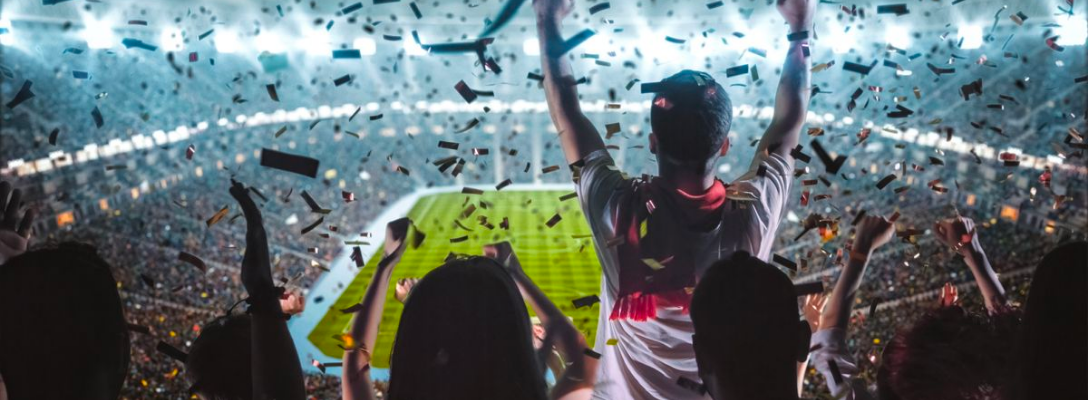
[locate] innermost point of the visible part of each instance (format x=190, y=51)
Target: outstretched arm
x=960, y=234
x=791, y=100
x=872, y=233
x=14, y=232
x=276, y=370
x=577, y=134
x=578, y=378
x=356, y=383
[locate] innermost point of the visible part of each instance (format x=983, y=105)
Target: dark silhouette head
x=949, y=354
x=747, y=332
x=219, y=364
x=465, y=334
x=1052, y=356
x=690, y=118
x=63, y=333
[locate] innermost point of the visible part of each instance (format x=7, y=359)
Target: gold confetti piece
x=554, y=220
x=217, y=217
x=612, y=342
x=653, y=264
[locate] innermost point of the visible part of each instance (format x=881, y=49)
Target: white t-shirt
x=651, y=356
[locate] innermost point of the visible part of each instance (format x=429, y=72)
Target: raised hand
x=814, y=306
x=404, y=288
x=798, y=13
x=292, y=303
x=872, y=232
x=14, y=232
x=949, y=295
x=396, y=237
x=503, y=252
x=958, y=233
x=256, y=267
x=553, y=9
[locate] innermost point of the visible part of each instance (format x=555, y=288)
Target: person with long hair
x=1051, y=353
x=464, y=333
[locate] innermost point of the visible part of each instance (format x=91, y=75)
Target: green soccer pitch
x=561, y=259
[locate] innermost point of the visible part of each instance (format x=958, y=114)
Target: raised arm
x=960, y=234
x=872, y=233
x=580, y=375
x=577, y=134
x=14, y=232
x=791, y=100
x=356, y=383
x=277, y=373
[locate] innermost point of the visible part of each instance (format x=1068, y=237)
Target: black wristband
x=797, y=36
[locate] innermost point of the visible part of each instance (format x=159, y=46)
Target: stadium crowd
x=169, y=271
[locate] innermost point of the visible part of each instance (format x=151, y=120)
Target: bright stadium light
x=270, y=42
x=365, y=45
x=7, y=37
x=413, y=48
x=971, y=35
x=317, y=43
x=897, y=36
x=98, y=34
x=170, y=39
x=842, y=41
x=227, y=42
x=1073, y=32
x=531, y=47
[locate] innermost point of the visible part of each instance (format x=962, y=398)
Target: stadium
x=124, y=123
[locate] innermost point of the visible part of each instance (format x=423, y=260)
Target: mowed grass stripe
x=565, y=268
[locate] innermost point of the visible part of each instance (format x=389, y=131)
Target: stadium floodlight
x=1073, y=32
x=316, y=42
x=171, y=40
x=7, y=37
x=842, y=40
x=897, y=36
x=98, y=34
x=227, y=42
x=531, y=47
x=270, y=42
x=366, y=46
x=971, y=36
x=413, y=48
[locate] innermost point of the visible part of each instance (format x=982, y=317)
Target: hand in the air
x=958, y=233
x=949, y=295
x=814, y=305
x=404, y=288
x=292, y=303
x=14, y=232
x=798, y=13
x=555, y=9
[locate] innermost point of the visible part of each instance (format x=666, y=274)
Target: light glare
x=971, y=35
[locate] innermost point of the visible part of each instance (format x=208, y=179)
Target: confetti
x=139, y=44
x=885, y=181
x=897, y=9
x=346, y=54
x=172, y=352
x=342, y=80
x=805, y=289
x=194, y=260
x=599, y=7
x=738, y=70
x=553, y=220
x=301, y=165
x=53, y=136
x=466, y=93
x=25, y=94
x=785, y=262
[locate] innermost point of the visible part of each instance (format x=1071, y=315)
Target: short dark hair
x=63, y=333
x=746, y=319
x=1047, y=365
x=220, y=362
x=949, y=354
x=465, y=334
x=691, y=117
